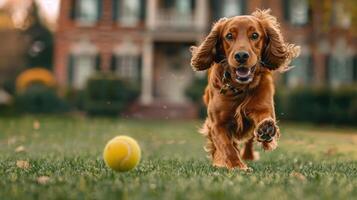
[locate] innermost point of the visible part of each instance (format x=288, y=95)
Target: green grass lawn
x=64, y=157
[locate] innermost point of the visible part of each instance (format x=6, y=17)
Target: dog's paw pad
x=266, y=131
x=270, y=146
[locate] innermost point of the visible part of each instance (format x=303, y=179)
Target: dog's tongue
x=243, y=72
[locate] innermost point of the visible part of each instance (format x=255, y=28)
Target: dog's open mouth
x=244, y=74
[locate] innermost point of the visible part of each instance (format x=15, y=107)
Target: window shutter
x=118, y=60
x=70, y=69
x=142, y=9
x=113, y=63
x=355, y=68
x=117, y=65
x=169, y=3
x=100, y=9
x=97, y=62
x=216, y=7
x=310, y=69
x=287, y=10
x=243, y=5
x=328, y=58
x=140, y=67
x=115, y=10
x=73, y=10
x=193, y=4
x=308, y=12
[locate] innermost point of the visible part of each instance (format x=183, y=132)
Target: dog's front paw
x=266, y=131
x=270, y=146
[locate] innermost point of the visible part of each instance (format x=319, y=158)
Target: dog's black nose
x=241, y=56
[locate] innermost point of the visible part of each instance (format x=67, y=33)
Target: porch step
x=162, y=110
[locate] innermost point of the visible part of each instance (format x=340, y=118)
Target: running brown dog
x=240, y=54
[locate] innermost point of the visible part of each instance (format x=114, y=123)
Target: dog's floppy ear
x=210, y=50
x=277, y=53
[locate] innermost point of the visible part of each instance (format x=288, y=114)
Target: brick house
x=148, y=41
x=12, y=50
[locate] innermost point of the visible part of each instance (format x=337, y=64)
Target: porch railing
x=174, y=19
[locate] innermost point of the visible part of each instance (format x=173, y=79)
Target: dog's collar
x=226, y=78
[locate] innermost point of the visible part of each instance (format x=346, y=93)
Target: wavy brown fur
x=279, y=53
x=238, y=119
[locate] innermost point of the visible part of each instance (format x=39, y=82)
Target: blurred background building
x=146, y=42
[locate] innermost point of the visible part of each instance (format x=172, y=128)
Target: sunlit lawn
x=61, y=159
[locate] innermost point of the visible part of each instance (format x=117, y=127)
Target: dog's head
x=245, y=43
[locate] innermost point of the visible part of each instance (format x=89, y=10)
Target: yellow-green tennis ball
x=122, y=153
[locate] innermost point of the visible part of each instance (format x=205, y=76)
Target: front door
x=172, y=72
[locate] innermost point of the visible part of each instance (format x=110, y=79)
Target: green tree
x=328, y=9
x=40, y=38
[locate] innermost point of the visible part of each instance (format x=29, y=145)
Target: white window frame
x=299, y=12
x=231, y=8
x=129, y=13
x=82, y=73
x=340, y=70
x=299, y=74
x=81, y=19
x=341, y=17
x=340, y=64
x=128, y=67
x=128, y=56
x=184, y=13
x=83, y=49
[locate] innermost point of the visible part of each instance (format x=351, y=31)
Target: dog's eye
x=255, y=36
x=229, y=36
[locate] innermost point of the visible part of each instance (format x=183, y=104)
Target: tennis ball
x=122, y=153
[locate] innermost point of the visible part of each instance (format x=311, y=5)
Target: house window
x=340, y=71
x=228, y=8
x=180, y=4
x=340, y=64
x=296, y=11
x=128, y=12
x=83, y=62
x=340, y=15
x=86, y=12
x=175, y=13
x=355, y=69
x=127, y=67
x=81, y=68
x=184, y=7
x=183, y=13
x=84, y=67
x=232, y=8
x=302, y=73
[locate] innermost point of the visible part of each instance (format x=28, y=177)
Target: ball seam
x=126, y=158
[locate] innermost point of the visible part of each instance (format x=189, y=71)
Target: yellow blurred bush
x=34, y=76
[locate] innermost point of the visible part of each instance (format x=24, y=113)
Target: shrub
x=7, y=110
x=319, y=105
x=38, y=98
x=108, y=95
x=34, y=76
x=195, y=91
x=9, y=86
x=75, y=98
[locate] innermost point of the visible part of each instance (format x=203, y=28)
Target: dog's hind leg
x=248, y=152
x=216, y=156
